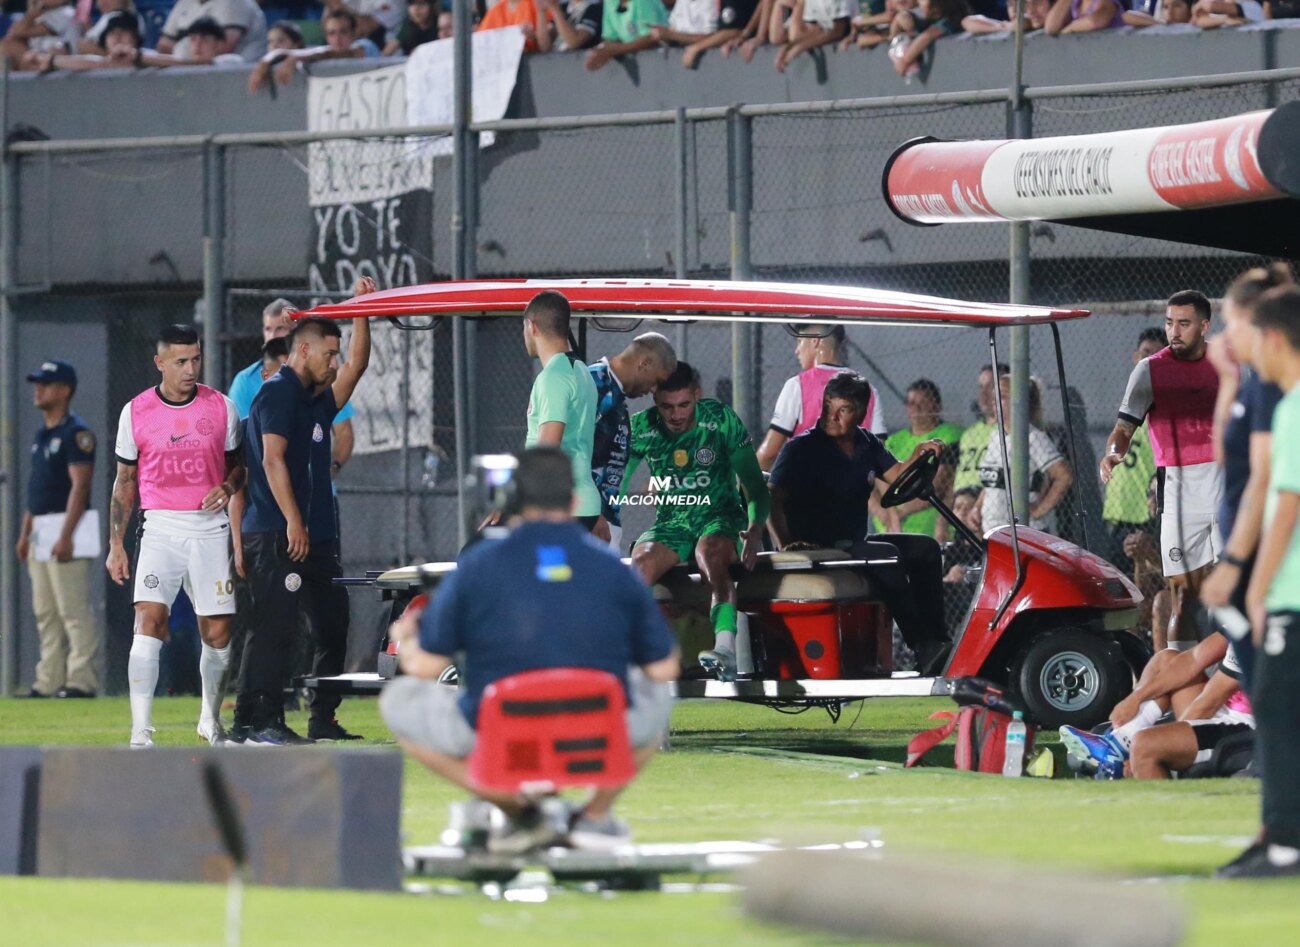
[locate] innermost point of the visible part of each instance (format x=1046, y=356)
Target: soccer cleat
x=1101, y=749
x=599, y=835
x=142, y=739
x=213, y=732
x=329, y=730
x=719, y=662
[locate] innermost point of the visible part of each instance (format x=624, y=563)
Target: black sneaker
x=1255, y=862
x=329, y=730
x=276, y=734
x=76, y=693
x=238, y=733
x=34, y=694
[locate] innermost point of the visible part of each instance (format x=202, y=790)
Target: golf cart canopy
x=690, y=300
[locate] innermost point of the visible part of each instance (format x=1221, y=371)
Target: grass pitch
x=734, y=772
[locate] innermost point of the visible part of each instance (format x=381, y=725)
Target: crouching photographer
x=543, y=595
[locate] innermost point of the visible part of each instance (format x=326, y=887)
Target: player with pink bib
x=1174, y=390
x=178, y=453
x=800, y=403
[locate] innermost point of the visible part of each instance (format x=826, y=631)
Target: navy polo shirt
x=545, y=596
x=54, y=450
x=284, y=407
x=827, y=490
x=1252, y=413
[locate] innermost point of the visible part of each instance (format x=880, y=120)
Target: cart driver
x=696, y=449
x=821, y=484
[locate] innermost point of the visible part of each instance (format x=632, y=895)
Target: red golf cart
x=1046, y=617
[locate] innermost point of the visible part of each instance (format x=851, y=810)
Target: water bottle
x=1013, y=762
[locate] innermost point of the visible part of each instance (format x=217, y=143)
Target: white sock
x=212, y=670
x=142, y=677
x=724, y=641
x=1281, y=856
x=1147, y=716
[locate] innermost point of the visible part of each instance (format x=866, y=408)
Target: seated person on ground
x=821, y=485
x=341, y=42
x=696, y=449
x=1178, y=682
x=569, y=26
x=545, y=596
x=1158, y=13
x=932, y=21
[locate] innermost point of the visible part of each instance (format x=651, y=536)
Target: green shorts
x=681, y=533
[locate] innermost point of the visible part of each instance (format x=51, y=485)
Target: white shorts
x=199, y=564
x=1189, y=534
x=1223, y=724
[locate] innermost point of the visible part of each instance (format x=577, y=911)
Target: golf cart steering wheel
x=913, y=483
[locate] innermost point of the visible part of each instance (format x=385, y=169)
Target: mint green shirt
x=564, y=391
x=1284, y=476
x=633, y=22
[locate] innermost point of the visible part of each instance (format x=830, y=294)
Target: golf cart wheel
x=1071, y=677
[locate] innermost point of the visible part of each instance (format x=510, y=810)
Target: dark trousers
x=913, y=591
x=1277, y=728
x=280, y=589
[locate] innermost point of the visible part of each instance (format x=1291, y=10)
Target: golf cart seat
x=542, y=731
x=808, y=617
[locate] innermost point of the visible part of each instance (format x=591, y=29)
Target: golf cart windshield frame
x=796, y=305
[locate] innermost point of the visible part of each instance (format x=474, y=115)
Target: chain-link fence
x=107, y=242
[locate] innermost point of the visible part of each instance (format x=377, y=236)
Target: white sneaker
x=142, y=739
x=599, y=835
x=212, y=731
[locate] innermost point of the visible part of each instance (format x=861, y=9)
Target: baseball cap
x=53, y=371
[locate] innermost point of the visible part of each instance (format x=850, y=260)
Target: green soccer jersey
x=565, y=392
x=1126, y=494
x=1284, y=477
x=693, y=476
x=970, y=452
x=901, y=444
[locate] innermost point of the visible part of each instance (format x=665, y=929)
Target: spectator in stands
x=1282, y=9
x=569, y=26
x=206, y=44
x=733, y=17
x=625, y=28
x=48, y=26
x=341, y=42
x=753, y=34
x=689, y=21
x=283, y=34
x=514, y=13
x=375, y=19
x=1124, y=510
x=1158, y=13
x=121, y=39
x=871, y=26
x=1083, y=16
x=799, y=26
x=975, y=439
x=936, y=19
x=925, y=422
x=1035, y=18
x=1212, y=14
x=1049, y=473
x=92, y=43
x=419, y=27
x=242, y=22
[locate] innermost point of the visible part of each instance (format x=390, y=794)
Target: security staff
x=290, y=530
x=545, y=596
x=58, y=496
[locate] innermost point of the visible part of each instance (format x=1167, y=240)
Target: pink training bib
x=1181, y=420
x=182, y=450
x=812, y=386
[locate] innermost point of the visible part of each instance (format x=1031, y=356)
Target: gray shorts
x=427, y=714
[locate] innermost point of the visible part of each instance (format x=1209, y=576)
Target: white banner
x=430, y=81
x=378, y=399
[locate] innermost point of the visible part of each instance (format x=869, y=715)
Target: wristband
x=1232, y=560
